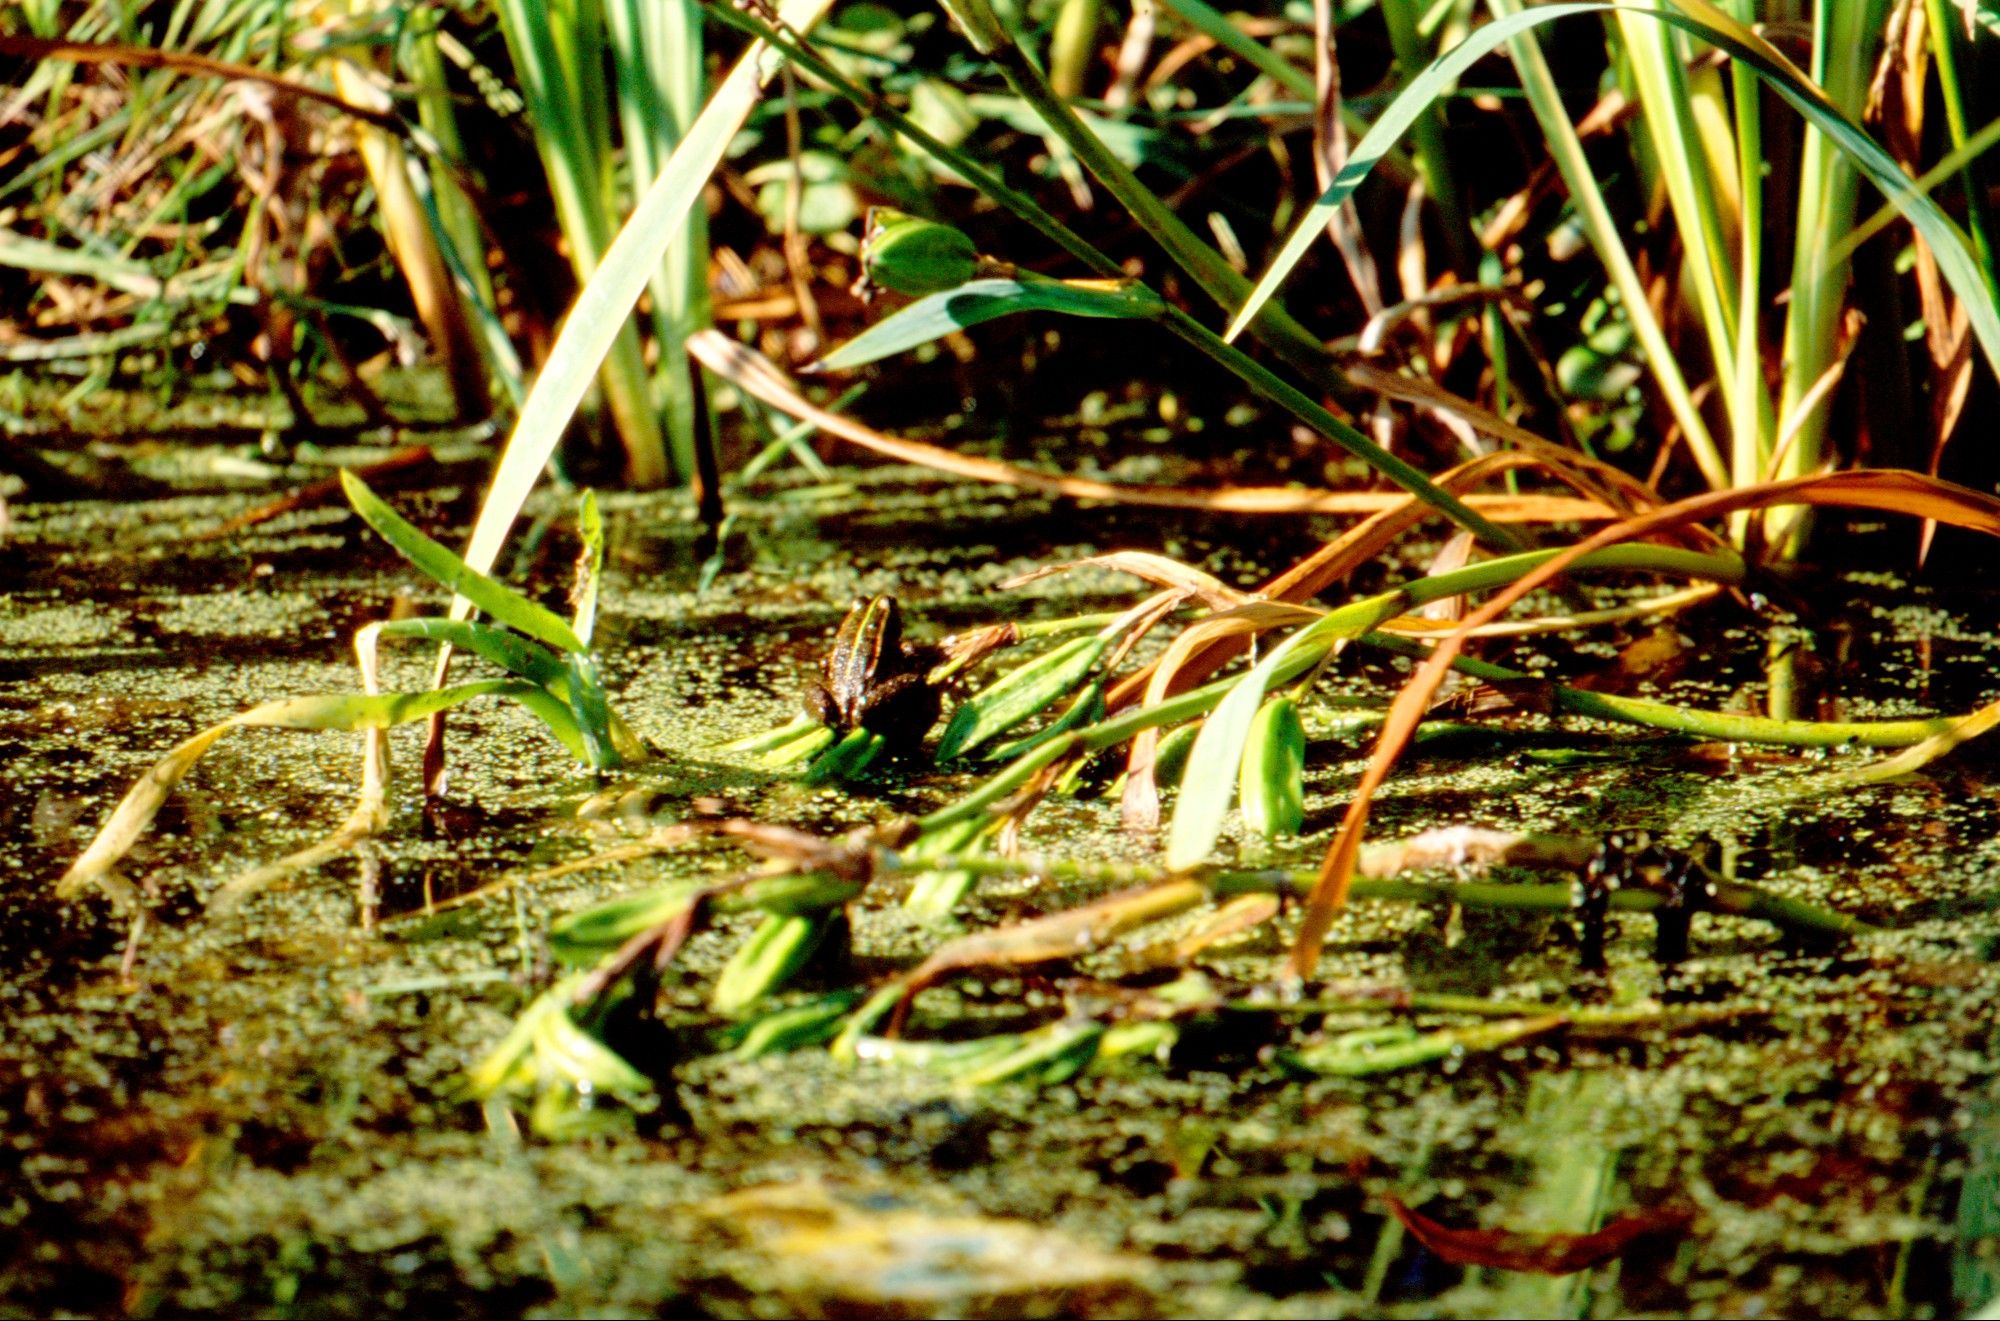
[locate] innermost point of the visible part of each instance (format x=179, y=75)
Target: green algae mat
x=267, y=1107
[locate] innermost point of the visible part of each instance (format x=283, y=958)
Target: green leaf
x=1954, y=256
x=590, y=566
x=1019, y=694
x=1210, y=782
x=357, y=711
x=589, y=935
x=853, y=754
x=776, y=950
x=510, y=651
x=797, y=1026
x=497, y=599
x=938, y=315
x=593, y=713
x=1272, y=780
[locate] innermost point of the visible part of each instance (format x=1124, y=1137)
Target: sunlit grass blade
x=606, y=300
x=497, y=599
x=937, y=315
x=1954, y=257
x=1845, y=38
x=558, y=53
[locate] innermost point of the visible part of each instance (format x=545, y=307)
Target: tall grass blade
x=601, y=307
x=1955, y=259
x=937, y=315
x=557, y=53
x=1844, y=41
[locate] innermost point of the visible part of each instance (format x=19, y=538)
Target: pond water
x=268, y=1114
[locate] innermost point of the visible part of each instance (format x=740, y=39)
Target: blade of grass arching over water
x=606, y=300
x=328, y=711
x=441, y=566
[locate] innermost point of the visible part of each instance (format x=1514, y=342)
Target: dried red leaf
x=1541, y=1254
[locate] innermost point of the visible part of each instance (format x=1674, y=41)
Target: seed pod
x=909, y=255
x=1272, y=779
x=1019, y=694
x=778, y=948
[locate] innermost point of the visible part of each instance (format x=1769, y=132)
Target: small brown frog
x=874, y=678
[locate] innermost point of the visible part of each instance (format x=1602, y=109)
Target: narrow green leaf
x=590, y=565
x=589, y=935
x=937, y=315
x=497, y=599
x=510, y=651
x=853, y=754
x=593, y=713
x=357, y=711
x=603, y=305
x=1087, y=709
x=1386, y=1049
x=1272, y=781
x=1210, y=782
x=797, y=1026
x=1019, y=694
x=776, y=950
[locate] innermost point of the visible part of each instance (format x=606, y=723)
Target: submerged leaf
x=1541, y=1254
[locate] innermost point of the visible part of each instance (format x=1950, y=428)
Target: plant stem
x=1723, y=896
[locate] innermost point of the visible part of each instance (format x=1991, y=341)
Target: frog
x=875, y=678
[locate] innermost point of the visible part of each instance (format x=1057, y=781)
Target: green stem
x=1692, y=720
x=1427, y=135
x=1944, y=48
x=1723, y=896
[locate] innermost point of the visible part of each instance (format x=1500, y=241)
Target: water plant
x=1059, y=718
x=548, y=660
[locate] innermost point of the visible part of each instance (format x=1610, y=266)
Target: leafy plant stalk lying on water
x=1244, y=741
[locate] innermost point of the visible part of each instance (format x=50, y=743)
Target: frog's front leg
x=821, y=705
x=901, y=708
